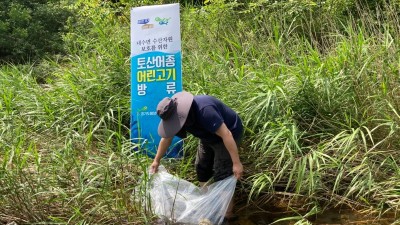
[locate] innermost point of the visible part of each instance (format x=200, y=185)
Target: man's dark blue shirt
x=206, y=115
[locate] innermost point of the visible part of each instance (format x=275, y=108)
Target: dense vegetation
x=31, y=29
x=317, y=84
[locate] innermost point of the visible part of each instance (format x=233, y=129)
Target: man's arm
x=162, y=149
x=230, y=144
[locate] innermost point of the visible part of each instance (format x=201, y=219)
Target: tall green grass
x=318, y=94
x=62, y=161
x=319, y=98
x=65, y=153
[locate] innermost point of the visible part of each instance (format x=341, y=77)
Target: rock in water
x=205, y=222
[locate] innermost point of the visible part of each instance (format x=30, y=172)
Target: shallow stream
x=328, y=217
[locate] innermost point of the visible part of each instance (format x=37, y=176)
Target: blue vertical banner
x=156, y=72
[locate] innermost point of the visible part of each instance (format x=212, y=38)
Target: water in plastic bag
x=179, y=201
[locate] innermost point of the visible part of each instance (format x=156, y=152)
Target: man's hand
x=162, y=149
x=231, y=146
x=237, y=170
x=154, y=167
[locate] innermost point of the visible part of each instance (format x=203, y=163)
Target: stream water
x=253, y=216
x=257, y=216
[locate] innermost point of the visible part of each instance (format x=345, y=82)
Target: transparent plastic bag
x=179, y=201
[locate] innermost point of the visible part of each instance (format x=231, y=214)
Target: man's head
x=173, y=113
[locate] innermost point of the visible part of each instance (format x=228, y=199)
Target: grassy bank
x=317, y=86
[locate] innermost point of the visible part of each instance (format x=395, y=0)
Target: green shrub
x=31, y=29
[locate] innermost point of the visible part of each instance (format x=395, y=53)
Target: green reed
x=321, y=124
x=319, y=99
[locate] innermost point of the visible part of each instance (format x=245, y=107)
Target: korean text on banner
x=156, y=72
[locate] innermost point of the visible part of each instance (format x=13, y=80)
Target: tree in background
x=30, y=29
